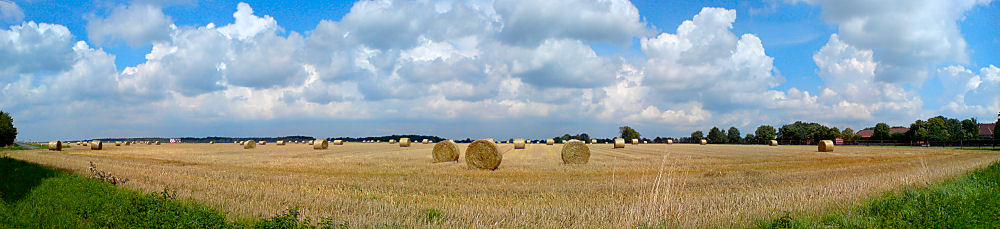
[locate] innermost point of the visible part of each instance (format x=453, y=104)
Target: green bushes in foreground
x=971, y=201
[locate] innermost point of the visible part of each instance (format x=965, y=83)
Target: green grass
x=33, y=196
x=971, y=201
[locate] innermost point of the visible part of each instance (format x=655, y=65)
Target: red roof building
x=986, y=130
x=867, y=134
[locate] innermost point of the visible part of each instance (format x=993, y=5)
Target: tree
x=733, y=135
x=881, y=131
x=970, y=129
x=697, y=135
x=749, y=139
x=835, y=132
x=996, y=128
x=848, y=134
x=628, y=133
x=765, y=133
x=716, y=136
x=801, y=132
x=7, y=131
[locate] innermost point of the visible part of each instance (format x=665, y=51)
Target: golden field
x=374, y=184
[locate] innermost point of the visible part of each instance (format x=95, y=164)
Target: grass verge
x=964, y=202
x=33, y=196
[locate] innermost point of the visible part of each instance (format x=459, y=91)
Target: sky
x=489, y=69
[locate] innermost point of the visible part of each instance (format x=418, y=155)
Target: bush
x=7, y=131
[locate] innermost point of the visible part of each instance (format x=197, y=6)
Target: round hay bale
x=575, y=152
x=619, y=143
x=55, y=145
x=645, y=142
x=425, y=141
x=550, y=141
x=211, y=142
x=635, y=141
x=280, y=143
x=703, y=142
x=483, y=154
x=96, y=145
x=118, y=143
x=249, y=144
x=826, y=146
x=670, y=142
x=157, y=142
x=404, y=142
x=519, y=143
x=312, y=142
x=445, y=151
x=262, y=143
x=773, y=143
x=321, y=144
x=593, y=141
x=338, y=142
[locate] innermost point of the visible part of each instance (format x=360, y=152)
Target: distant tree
x=749, y=139
x=583, y=137
x=697, y=135
x=7, y=130
x=733, y=135
x=970, y=129
x=801, y=132
x=765, y=133
x=937, y=129
x=881, y=132
x=996, y=128
x=835, y=133
x=628, y=133
x=716, y=136
x=848, y=134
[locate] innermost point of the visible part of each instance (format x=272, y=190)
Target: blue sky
x=483, y=68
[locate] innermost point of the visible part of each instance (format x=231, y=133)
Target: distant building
x=867, y=133
x=175, y=140
x=986, y=130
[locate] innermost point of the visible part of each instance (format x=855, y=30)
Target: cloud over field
x=389, y=64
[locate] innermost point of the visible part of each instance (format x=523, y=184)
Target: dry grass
x=376, y=184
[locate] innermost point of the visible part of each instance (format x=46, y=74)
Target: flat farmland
x=378, y=184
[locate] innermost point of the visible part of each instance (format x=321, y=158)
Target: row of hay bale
x=484, y=154
x=97, y=144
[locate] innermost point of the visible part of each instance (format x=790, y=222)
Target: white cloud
x=851, y=84
x=969, y=93
x=706, y=62
x=247, y=25
x=533, y=22
x=10, y=12
x=136, y=25
x=34, y=47
x=908, y=37
x=453, y=62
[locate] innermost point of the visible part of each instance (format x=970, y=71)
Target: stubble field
x=378, y=184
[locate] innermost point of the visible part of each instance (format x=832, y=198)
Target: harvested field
x=652, y=184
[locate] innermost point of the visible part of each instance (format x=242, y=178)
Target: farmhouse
x=986, y=130
x=867, y=133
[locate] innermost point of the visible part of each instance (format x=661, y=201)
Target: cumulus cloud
x=970, y=93
x=451, y=62
x=136, y=25
x=532, y=22
x=10, y=12
x=34, y=47
x=908, y=38
x=849, y=75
